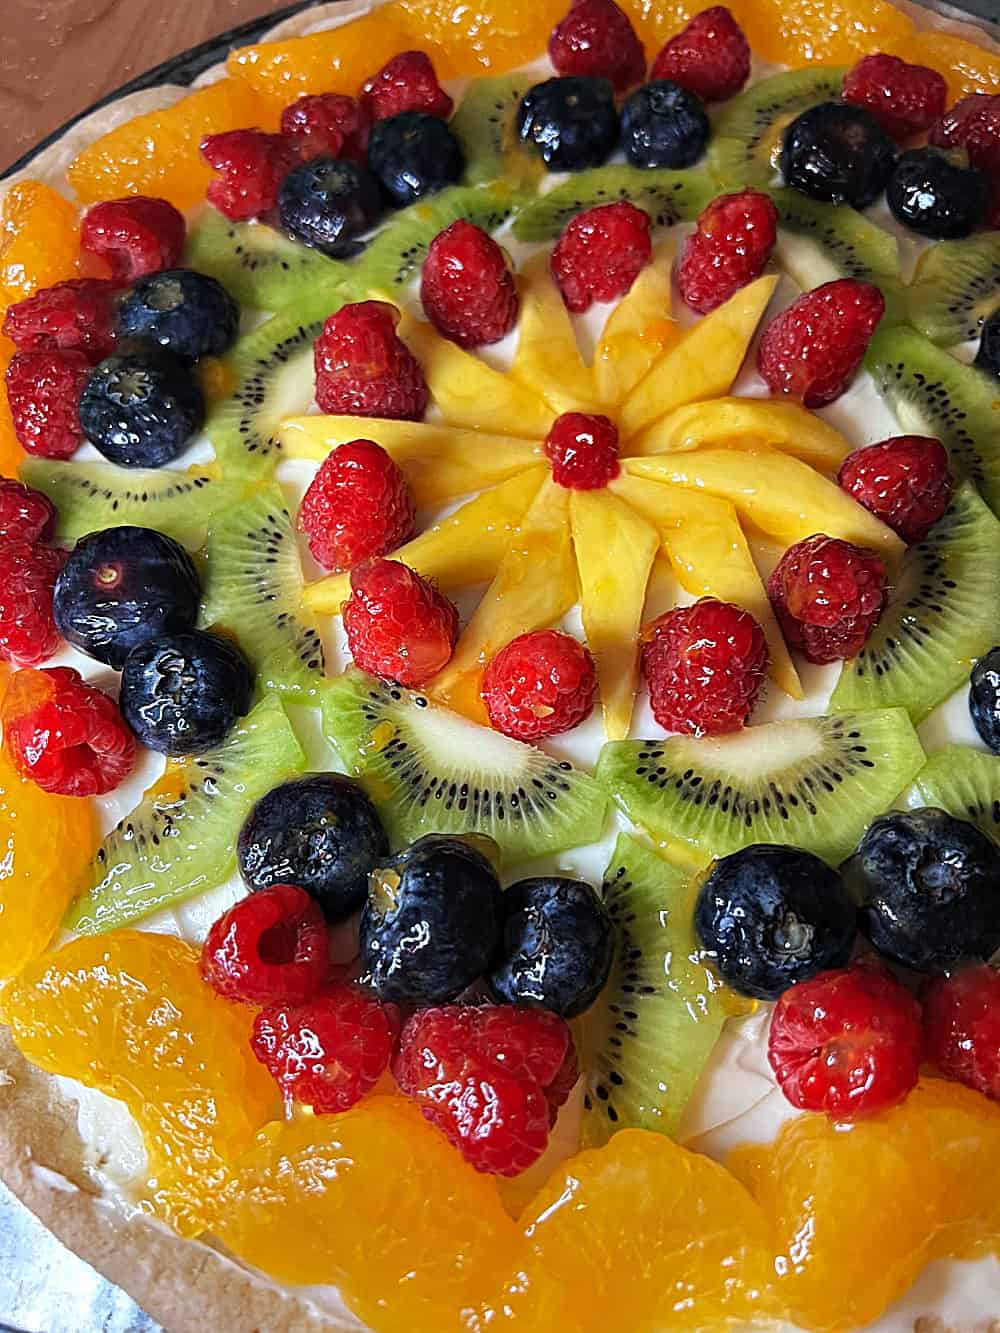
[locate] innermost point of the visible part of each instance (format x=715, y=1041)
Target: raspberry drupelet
x=904, y=481
x=359, y=505
x=26, y=515
x=74, y=316
x=398, y=626
x=467, y=287
x=28, y=572
x=728, y=249
x=973, y=123
x=962, y=1027
x=252, y=166
x=583, y=450
x=541, y=684
x=710, y=57
x=596, y=40
x=407, y=83
x=272, y=947
x=600, y=254
x=363, y=367
x=43, y=390
x=327, y=125
x=827, y=595
x=135, y=236
x=905, y=99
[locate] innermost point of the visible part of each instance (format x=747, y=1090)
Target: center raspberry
x=583, y=450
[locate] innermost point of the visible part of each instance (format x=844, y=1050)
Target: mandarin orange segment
x=825, y=32
x=966, y=67
x=495, y=35
x=39, y=240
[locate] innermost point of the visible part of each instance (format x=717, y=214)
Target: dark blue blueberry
x=663, y=125
x=141, y=408
x=936, y=197
x=431, y=924
x=414, y=155
x=321, y=832
x=122, y=586
x=328, y=203
x=984, y=698
x=771, y=916
x=838, y=153
x=988, y=356
x=557, y=946
x=571, y=123
x=188, y=314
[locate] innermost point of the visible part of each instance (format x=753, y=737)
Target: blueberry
x=321, y=832
x=663, y=125
x=571, y=123
x=414, y=155
x=988, y=356
x=928, y=889
x=328, y=203
x=984, y=698
x=141, y=408
x=557, y=946
x=838, y=153
x=122, y=586
x=188, y=314
x=936, y=197
x=431, y=924
x=772, y=916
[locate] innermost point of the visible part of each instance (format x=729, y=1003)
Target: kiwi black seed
x=667, y=196
x=484, y=126
x=955, y=289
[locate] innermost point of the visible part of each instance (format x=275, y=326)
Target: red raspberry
x=363, y=368
x=329, y=1051
x=903, y=481
x=488, y=1078
x=28, y=634
x=846, y=1042
x=828, y=596
x=541, y=684
x=64, y=734
x=358, y=506
x=252, y=166
x=272, y=947
x=710, y=57
x=26, y=515
x=962, y=1027
x=704, y=665
x=583, y=450
x=398, y=625
x=406, y=83
x=466, y=286
x=973, y=123
x=327, y=125
x=43, y=390
x=905, y=99
x=601, y=253
x=596, y=40
x=813, y=349
x=135, y=235
x=72, y=316
x=730, y=247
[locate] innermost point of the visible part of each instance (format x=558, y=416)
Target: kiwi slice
x=667, y=196
x=811, y=782
x=955, y=288
x=963, y=781
x=181, y=838
x=941, y=615
x=647, y=1038
x=431, y=771
x=484, y=126
x=746, y=138
x=90, y=496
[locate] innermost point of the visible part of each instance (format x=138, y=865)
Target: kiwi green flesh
x=182, y=842
x=963, y=781
x=809, y=782
x=955, y=288
x=941, y=615
x=647, y=1038
x=667, y=196
x=253, y=592
x=484, y=126
x=428, y=770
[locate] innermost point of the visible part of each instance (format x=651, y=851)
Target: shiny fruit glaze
x=487, y=35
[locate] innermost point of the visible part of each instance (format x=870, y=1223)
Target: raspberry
x=730, y=247
x=905, y=99
x=541, y=684
x=72, y=316
x=358, y=506
x=827, y=596
x=251, y=167
x=490, y=1079
x=28, y=633
x=328, y=125
x=813, y=349
x=466, y=286
x=846, y=1042
x=710, y=57
x=973, y=123
x=596, y=40
x=363, y=368
x=704, y=665
x=136, y=236
x=903, y=481
x=962, y=1027
x=272, y=947
x=329, y=1051
x=600, y=254
x=25, y=515
x=43, y=390
x=65, y=735
x=583, y=450
x=406, y=83
x=398, y=625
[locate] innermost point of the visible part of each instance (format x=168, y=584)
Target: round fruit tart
x=499, y=589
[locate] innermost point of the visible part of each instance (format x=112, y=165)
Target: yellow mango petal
x=638, y=331
x=548, y=360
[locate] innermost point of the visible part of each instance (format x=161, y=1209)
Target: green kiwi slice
x=812, y=782
x=667, y=196
x=431, y=771
x=484, y=126
x=963, y=781
x=181, y=838
x=955, y=288
x=253, y=591
x=941, y=615
x=647, y=1038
